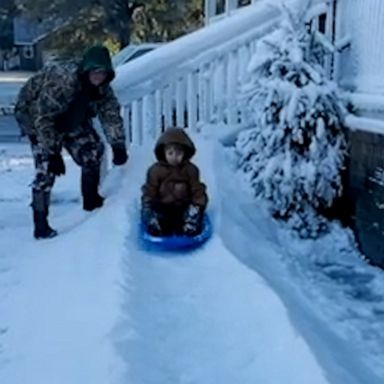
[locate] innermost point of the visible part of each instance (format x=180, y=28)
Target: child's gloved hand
x=154, y=226
x=190, y=229
x=192, y=222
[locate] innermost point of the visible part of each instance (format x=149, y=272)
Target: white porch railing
x=192, y=81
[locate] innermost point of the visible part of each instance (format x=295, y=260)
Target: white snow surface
x=253, y=305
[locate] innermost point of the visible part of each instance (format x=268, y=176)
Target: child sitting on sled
x=173, y=197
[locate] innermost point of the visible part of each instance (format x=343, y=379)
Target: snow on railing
x=192, y=81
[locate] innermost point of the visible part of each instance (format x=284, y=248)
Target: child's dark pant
x=171, y=217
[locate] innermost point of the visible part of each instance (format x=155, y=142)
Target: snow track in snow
x=202, y=316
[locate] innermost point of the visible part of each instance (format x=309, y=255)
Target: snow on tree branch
x=294, y=153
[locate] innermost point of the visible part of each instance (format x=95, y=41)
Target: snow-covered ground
x=333, y=296
x=254, y=305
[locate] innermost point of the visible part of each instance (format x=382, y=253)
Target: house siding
x=366, y=187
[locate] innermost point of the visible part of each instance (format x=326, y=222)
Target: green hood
x=97, y=57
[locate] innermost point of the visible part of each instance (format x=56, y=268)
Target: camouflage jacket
x=49, y=93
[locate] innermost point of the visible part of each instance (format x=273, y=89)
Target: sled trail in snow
x=202, y=316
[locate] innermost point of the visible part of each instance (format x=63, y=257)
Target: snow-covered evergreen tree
x=294, y=152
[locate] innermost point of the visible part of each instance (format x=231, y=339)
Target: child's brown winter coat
x=179, y=185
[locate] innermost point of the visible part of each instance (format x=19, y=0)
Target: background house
x=29, y=37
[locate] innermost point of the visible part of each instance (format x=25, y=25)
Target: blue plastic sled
x=178, y=242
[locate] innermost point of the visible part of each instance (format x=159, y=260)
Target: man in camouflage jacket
x=55, y=109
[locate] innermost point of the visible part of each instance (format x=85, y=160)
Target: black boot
x=40, y=206
x=90, y=178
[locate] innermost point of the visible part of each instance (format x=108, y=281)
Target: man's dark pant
x=84, y=146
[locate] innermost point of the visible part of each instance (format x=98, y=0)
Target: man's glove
x=56, y=164
x=120, y=155
x=192, y=221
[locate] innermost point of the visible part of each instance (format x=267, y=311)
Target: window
x=28, y=52
x=220, y=6
x=322, y=23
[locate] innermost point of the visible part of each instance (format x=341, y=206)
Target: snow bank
x=333, y=296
